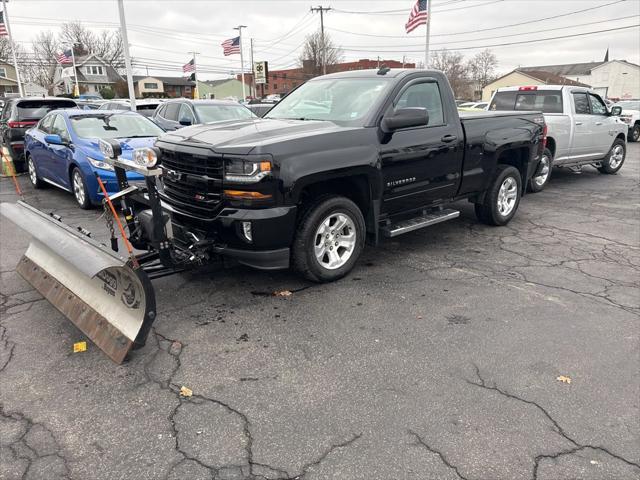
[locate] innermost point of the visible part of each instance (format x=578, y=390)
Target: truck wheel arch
x=362, y=188
x=551, y=145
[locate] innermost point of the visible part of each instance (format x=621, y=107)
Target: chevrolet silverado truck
x=581, y=130
x=344, y=158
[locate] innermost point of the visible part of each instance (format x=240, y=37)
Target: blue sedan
x=62, y=150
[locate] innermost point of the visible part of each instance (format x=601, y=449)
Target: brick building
x=283, y=81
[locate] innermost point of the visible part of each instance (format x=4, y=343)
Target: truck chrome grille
x=192, y=183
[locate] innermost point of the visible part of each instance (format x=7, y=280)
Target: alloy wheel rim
x=78, y=188
x=507, y=196
x=32, y=172
x=335, y=240
x=617, y=155
x=544, y=173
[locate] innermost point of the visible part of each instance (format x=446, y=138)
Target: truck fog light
x=246, y=231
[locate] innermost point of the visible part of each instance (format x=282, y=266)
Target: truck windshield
x=343, y=100
x=220, y=113
x=114, y=126
x=545, y=101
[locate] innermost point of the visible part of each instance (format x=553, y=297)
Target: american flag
x=189, y=67
x=417, y=17
x=3, y=27
x=64, y=57
x=231, y=46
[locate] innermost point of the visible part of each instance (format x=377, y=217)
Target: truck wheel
x=615, y=158
x=537, y=184
x=33, y=174
x=634, y=134
x=329, y=239
x=79, y=189
x=502, y=198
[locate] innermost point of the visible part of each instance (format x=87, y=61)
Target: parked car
x=90, y=96
x=260, y=109
x=115, y=105
x=581, y=130
x=20, y=114
x=631, y=116
x=174, y=114
x=148, y=106
x=344, y=158
x=62, y=150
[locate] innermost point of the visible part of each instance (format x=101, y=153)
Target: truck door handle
x=578, y=123
x=449, y=138
x=598, y=123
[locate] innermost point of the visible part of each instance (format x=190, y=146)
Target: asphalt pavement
x=442, y=356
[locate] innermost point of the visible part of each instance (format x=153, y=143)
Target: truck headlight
x=146, y=157
x=246, y=171
x=99, y=164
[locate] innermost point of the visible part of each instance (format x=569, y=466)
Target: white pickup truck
x=581, y=130
x=631, y=116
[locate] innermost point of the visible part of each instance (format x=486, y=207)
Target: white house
x=34, y=90
x=612, y=79
x=93, y=74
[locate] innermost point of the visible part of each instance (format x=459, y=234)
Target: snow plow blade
x=111, y=302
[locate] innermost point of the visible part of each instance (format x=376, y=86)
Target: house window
x=94, y=70
x=151, y=86
x=275, y=86
x=3, y=72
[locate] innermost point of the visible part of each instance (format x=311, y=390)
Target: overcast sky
x=162, y=32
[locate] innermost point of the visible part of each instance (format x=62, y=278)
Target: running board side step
x=424, y=220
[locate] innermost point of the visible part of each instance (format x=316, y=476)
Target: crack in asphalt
x=420, y=441
x=481, y=383
x=248, y=470
x=23, y=449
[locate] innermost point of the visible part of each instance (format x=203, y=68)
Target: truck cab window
x=581, y=103
x=423, y=95
x=597, y=106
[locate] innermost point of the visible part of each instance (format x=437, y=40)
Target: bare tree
x=315, y=51
x=483, y=67
x=41, y=66
x=456, y=70
x=107, y=45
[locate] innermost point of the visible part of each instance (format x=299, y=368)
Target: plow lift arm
x=110, y=298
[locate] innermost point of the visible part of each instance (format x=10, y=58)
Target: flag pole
x=428, y=33
x=76, y=92
x=127, y=57
x=13, y=47
x=196, y=94
x=239, y=28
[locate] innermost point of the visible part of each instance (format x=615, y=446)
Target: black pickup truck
x=343, y=159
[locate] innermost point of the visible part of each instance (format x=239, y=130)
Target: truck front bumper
x=259, y=238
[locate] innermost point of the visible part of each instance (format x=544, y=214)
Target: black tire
x=489, y=211
x=537, y=184
x=326, y=209
x=612, y=163
x=79, y=189
x=33, y=174
x=634, y=133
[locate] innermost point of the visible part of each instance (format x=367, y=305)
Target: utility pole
x=13, y=48
x=239, y=28
x=196, y=94
x=323, y=50
x=127, y=57
x=426, y=48
x=254, y=93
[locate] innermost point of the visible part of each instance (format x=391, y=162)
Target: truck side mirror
x=185, y=121
x=616, y=111
x=405, y=118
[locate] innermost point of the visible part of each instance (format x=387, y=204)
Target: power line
x=575, y=12
x=504, y=44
